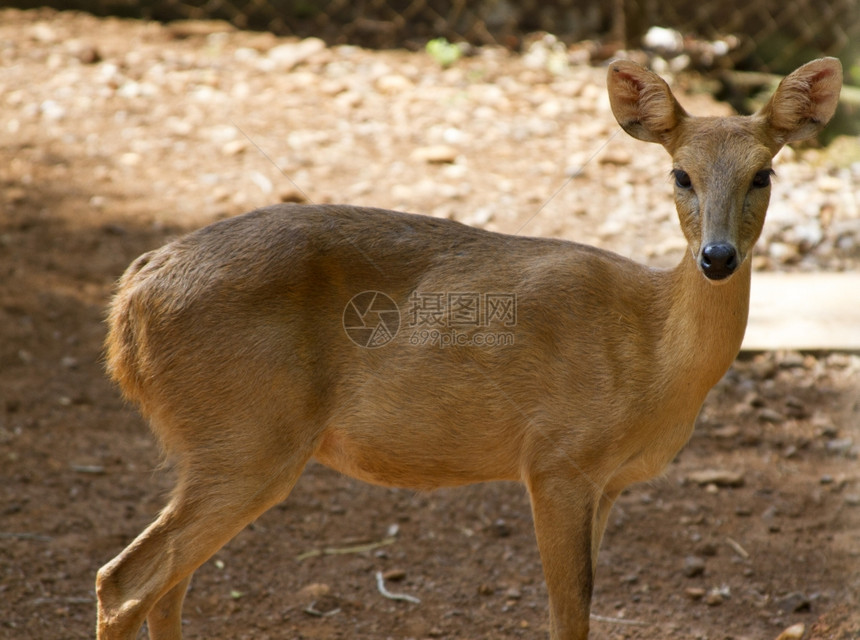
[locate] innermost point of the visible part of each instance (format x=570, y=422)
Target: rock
x=394, y=575
x=290, y=55
x=830, y=184
x=665, y=40
x=716, y=596
x=513, y=594
x=770, y=415
x=86, y=53
x=784, y=252
x=840, y=445
x=393, y=83
x=617, y=157
x=794, y=632
x=436, y=154
x=16, y=195
x=718, y=477
x=291, y=193
x=130, y=159
x=694, y=593
x=500, y=528
x=479, y=218
x=181, y=29
x=234, y=147
x=313, y=591
x=794, y=603
x=694, y=566
x=726, y=432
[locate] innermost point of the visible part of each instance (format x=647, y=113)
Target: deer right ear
x=642, y=102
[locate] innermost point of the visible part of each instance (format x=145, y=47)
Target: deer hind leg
x=165, y=618
x=211, y=504
x=601, y=517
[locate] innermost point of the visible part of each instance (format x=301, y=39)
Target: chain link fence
x=767, y=35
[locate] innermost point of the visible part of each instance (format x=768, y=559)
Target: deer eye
x=762, y=179
x=682, y=179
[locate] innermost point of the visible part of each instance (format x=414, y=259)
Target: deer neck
x=704, y=327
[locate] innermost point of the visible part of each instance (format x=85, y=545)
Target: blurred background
x=735, y=42
x=763, y=35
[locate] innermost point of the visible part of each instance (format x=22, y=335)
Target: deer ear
x=804, y=101
x=642, y=103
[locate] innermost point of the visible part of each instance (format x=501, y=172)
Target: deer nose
x=719, y=260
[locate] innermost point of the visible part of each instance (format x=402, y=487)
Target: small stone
x=181, y=29
x=292, y=54
x=234, y=147
x=831, y=184
x=694, y=593
x=130, y=159
x=726, y=432
x=840, y=445
x=394, y=575
x=393, y=83
x=486, y=590
x=794, y=603
x=16, y=195
x=714, y=598
x=852, y=499
x=436, y=154
x=513, y=594
x=718, y=477
x=784, y=252
x=694, y=566
x=314, y=591
x=88, y=54
x=617, y=157
x=290, y=193
x=794, y=632
x=769, y=415
x=824, y=426
x=500, y=528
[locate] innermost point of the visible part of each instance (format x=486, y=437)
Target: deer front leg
x=564, y=505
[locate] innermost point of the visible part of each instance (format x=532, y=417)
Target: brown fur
x=231, y=342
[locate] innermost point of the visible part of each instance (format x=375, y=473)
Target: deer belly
x=411, y=462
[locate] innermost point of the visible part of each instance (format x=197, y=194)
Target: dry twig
x=380, y=583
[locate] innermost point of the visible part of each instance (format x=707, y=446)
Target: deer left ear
x=804, y=101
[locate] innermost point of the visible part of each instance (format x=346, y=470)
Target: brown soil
x=115, y=136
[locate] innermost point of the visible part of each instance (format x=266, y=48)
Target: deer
x=232, y=340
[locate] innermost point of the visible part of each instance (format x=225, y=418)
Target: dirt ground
x=117, y=136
